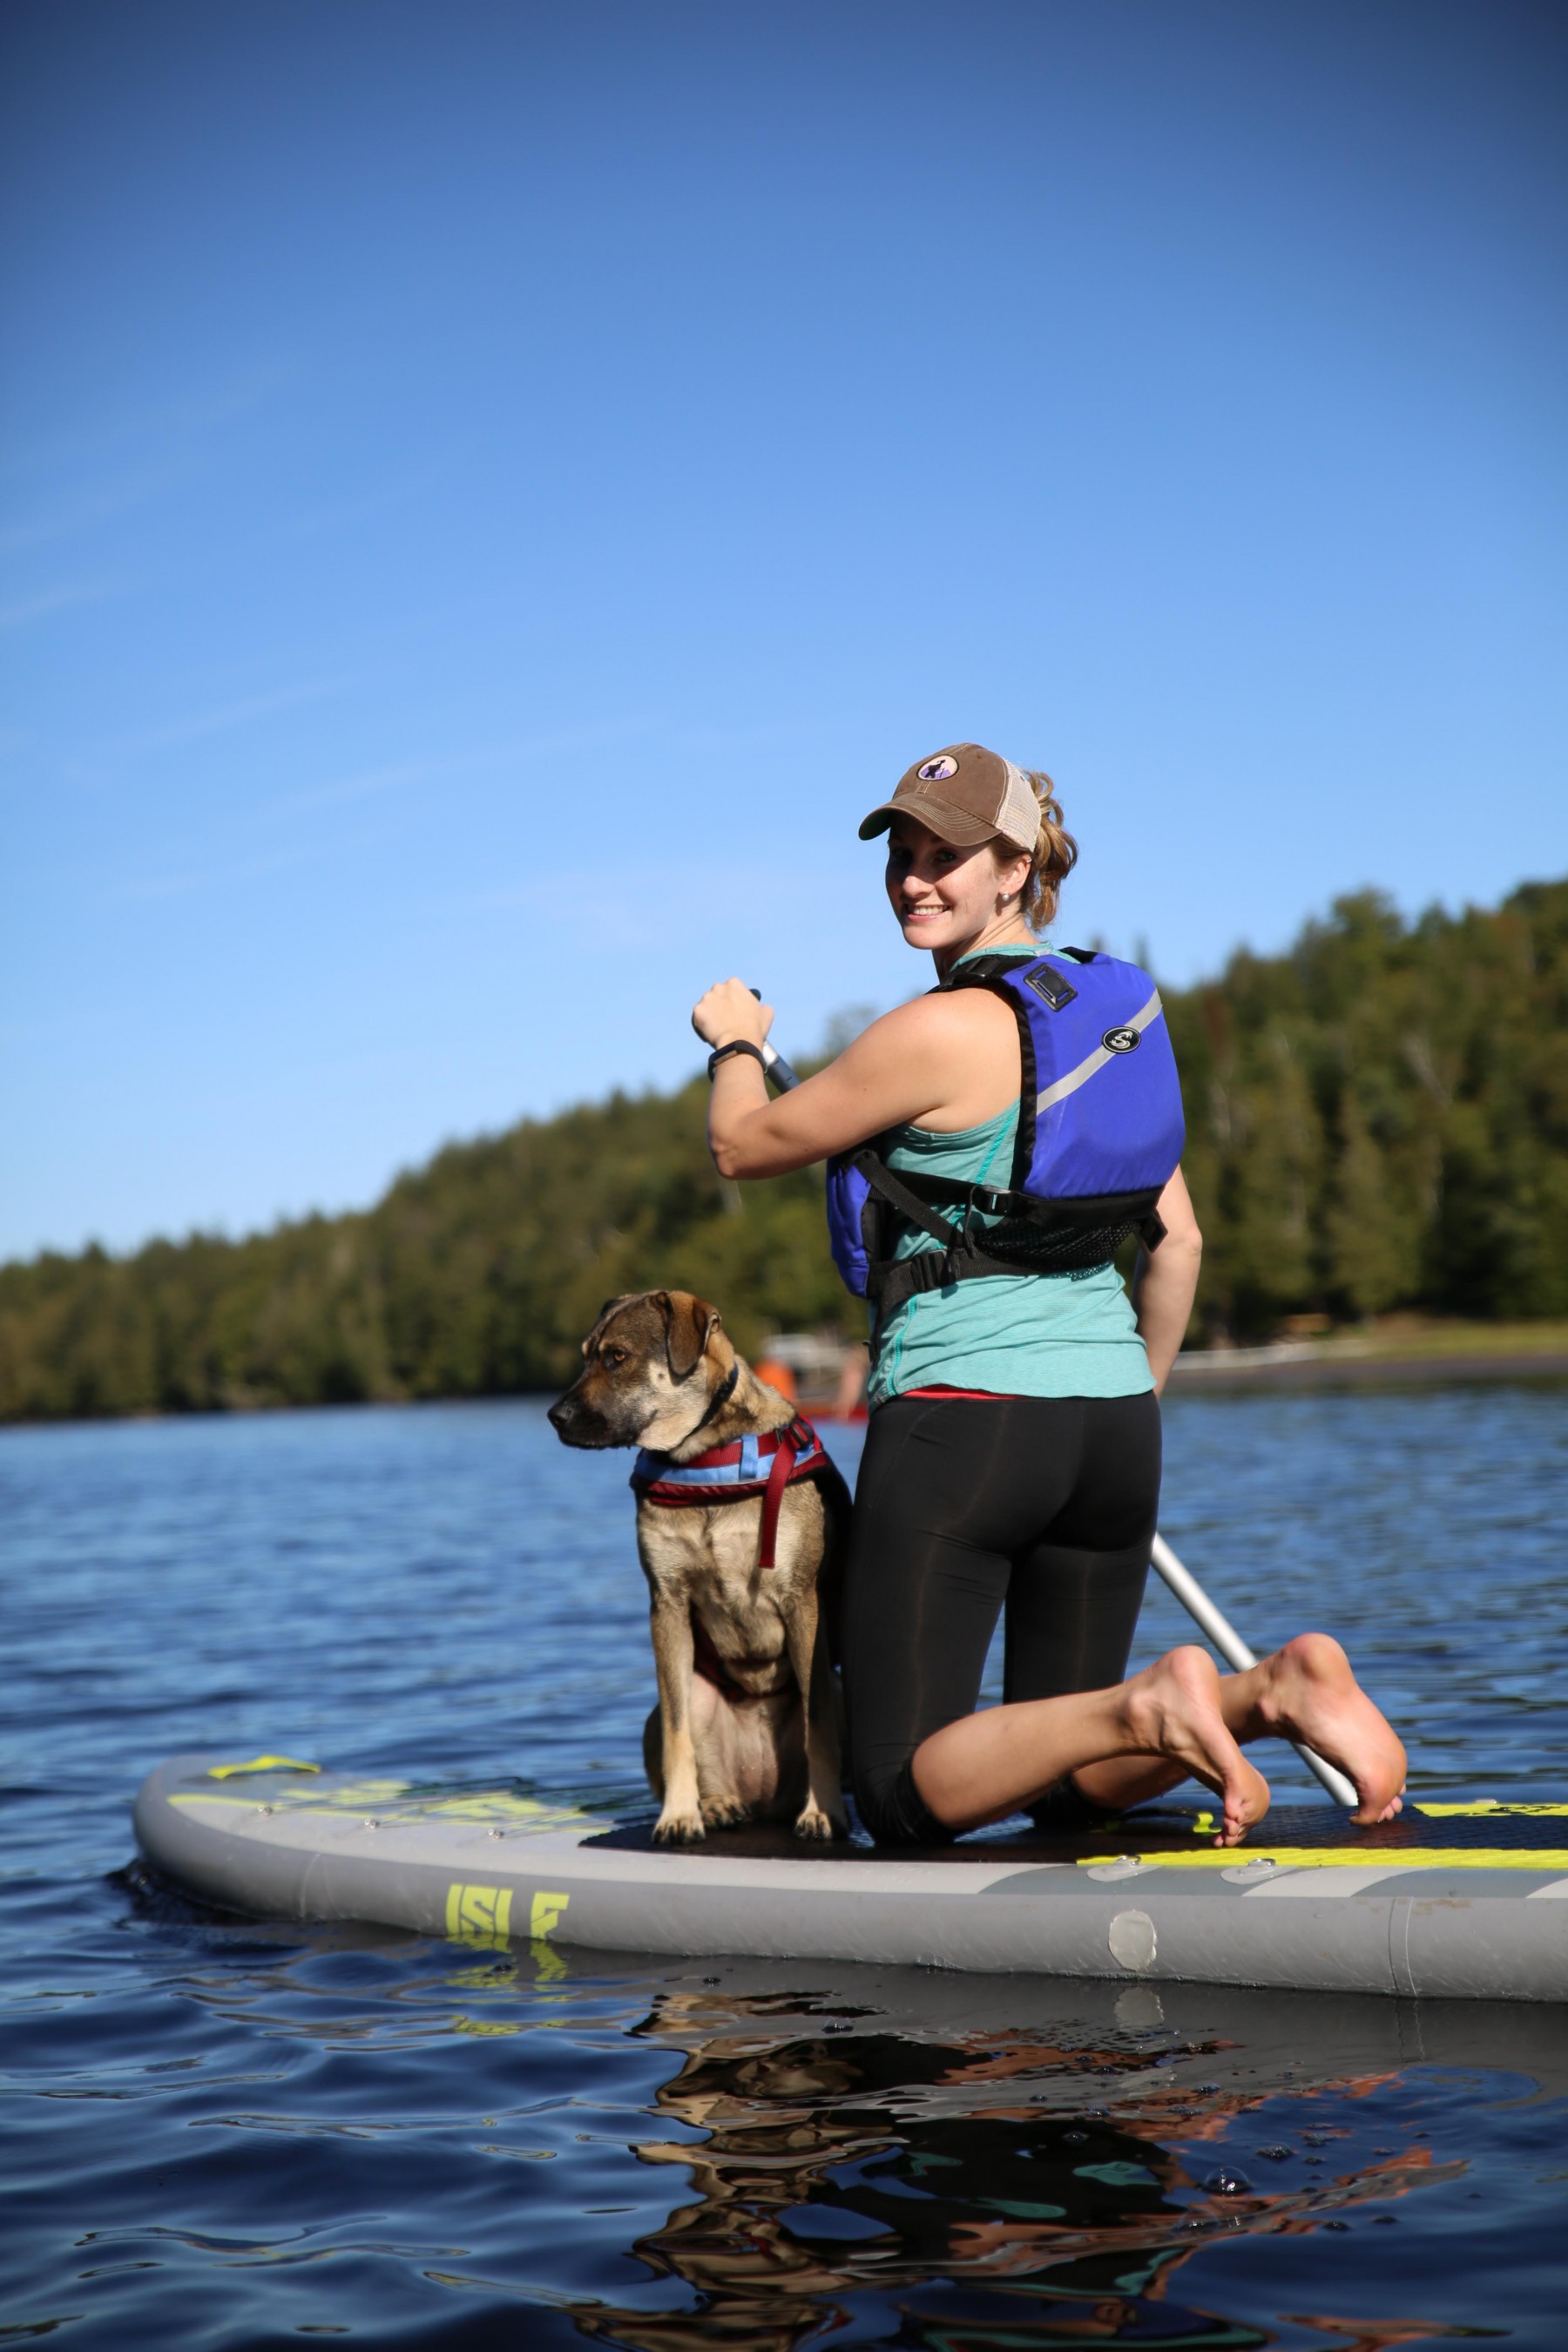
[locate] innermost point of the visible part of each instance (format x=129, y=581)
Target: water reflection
x=252, y=2134
x=992, y=2188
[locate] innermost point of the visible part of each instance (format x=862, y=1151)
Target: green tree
x=1378, y=1117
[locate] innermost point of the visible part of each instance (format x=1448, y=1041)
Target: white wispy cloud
x=236, y=854
x=345, y=788
x=220, y=718
x=179, y=884
x=347, y=514
x=217, y=872
x=181, y=419
x=85, y=513
x=24, y=610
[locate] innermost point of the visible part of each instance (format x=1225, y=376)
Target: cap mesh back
x=1019, y=819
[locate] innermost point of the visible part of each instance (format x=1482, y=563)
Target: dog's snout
x=576, y=1420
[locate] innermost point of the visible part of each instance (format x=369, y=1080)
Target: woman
x=1013, y=1456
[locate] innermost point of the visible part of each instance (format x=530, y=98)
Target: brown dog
x=746, y=1726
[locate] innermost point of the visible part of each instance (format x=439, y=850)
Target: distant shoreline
x=1416, y=1353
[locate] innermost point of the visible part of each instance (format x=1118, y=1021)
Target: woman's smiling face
x=944, y=897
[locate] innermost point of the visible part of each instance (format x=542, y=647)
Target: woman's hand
x=729, y=1011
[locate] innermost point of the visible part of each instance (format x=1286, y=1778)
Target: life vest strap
x=1064, y=1209
x=968, y=1250
x=894, y=1281
x=902, y=1195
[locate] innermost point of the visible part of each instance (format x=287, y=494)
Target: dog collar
x=716, y=1403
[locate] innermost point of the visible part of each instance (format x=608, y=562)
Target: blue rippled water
x=228, y=2134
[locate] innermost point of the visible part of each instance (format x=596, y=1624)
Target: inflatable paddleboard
x=1462, y=1901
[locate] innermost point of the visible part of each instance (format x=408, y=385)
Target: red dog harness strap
x=761, y=1462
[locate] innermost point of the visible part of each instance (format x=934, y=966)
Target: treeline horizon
x=1376, y=1118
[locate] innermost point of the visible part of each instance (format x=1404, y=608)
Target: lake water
x=228, y=2134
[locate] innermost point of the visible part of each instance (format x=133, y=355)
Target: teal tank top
x=1046, y=1334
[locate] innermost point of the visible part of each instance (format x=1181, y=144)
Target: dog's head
x=651, y=1367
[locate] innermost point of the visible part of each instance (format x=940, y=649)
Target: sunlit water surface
x=228, y=2134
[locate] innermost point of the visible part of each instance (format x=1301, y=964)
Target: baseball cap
x=964, y=794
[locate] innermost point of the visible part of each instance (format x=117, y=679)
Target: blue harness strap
x=763, y=1462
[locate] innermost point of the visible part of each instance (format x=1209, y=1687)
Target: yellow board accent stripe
x=261, y=1764
x=1202, y=1824
x=1488, y=1805
x=1342, y=1858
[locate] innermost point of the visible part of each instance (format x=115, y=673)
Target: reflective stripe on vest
x=1144, y=1018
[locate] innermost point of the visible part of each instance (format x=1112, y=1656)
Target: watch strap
x=736, y=1045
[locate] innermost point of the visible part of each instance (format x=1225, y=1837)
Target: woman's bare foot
x=1173, y=1709
x=1309, y=1694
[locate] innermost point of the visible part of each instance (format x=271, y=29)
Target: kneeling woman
x=1013, y=1456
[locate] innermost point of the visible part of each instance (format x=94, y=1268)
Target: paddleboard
x=1451, y=1900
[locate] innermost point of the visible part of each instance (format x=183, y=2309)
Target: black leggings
x=1048, y=1504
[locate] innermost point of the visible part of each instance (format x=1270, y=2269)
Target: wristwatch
x=736, y=1045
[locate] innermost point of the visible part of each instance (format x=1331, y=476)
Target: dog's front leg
x=823, y=1814
x=673, y=1654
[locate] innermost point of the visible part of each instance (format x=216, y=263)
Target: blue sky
x=491, y=494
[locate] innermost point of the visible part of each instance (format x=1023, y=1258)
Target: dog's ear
x=689, y=1323
x=603, y=1317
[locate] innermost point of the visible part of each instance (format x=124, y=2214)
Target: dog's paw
x=724, y=1812
x=678, y=1828
x=813, y=1823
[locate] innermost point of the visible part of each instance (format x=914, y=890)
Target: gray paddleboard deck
x=1459, y=1902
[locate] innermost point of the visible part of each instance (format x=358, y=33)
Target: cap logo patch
x=937, y=771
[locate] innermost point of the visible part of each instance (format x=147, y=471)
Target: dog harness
x=1100, y=1135
x=761, y=1462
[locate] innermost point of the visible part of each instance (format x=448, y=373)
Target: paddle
x=1214, y=1625
x=773, y=1064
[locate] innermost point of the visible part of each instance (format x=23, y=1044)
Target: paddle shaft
x=773, y=1064
x=1214, y=1625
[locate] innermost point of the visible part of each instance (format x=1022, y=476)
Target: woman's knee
x=891, y=1806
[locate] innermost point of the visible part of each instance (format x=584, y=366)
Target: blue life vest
x=1099, y=1136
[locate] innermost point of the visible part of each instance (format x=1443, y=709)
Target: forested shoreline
x=1377, y=1118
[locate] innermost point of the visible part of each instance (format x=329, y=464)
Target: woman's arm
x=932, y=1060
x=1166, y=1280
